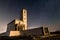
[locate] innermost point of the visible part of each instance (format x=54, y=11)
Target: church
x=19, y=27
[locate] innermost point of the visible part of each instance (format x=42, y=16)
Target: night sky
x=40, y=13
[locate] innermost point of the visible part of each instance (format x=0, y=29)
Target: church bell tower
x=24, y=17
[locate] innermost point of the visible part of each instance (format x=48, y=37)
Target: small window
x=24, y=11
x=16, y=27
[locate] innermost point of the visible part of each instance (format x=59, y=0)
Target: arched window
x=15, y=26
